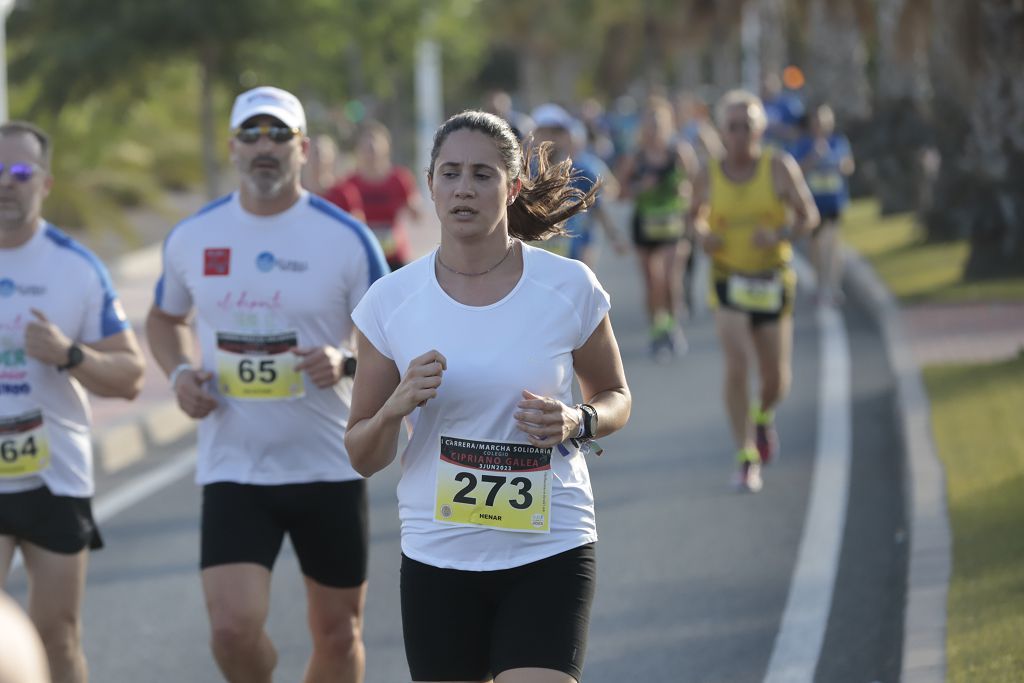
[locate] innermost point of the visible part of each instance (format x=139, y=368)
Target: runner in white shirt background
x=62, y=332
x=271, y=274
x=477, y=345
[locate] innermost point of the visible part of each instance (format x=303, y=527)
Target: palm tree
x=979, y=107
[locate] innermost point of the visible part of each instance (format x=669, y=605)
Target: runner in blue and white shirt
x=270, y=274
x=62, y=332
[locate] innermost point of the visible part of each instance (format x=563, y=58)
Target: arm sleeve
x=367, y=317
x=593, y=304
x=104, y=315
x=172, y=295
x=345, y=195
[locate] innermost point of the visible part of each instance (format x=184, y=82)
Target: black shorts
x=327, y=523
x=60, y=524
x=471, y=626
x=643, y=242
x=757, y=318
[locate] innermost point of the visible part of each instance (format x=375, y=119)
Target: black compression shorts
x=327, y=523
x=471, y=626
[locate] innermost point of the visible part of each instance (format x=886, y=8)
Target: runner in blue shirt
x=827, y=160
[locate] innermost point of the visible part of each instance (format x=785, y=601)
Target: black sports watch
x=75, y=357
x=589, y=420
x=348, y=367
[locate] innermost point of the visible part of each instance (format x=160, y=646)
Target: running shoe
x=748, y=476
x=662, y=350
x=678, y=342
x=767, y=441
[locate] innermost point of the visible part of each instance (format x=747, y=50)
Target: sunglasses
x=251, y=134
x=22, y=172
x=738, y=127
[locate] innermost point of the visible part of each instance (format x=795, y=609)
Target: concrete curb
x=125, y=443
x=162, y=424
x=924, y=621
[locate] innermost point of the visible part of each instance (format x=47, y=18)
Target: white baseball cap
x=280, y=104
x=552, y=116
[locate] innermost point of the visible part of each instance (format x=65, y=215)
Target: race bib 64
x=24, y=449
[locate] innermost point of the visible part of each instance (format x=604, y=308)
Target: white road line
x=802, y=631
x=135, y=490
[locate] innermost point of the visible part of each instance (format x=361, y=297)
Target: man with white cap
x=271, y=274
x=557, y=126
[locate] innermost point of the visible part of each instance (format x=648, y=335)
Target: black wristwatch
x=589, y=420
x=75, y=357
x=348, y=367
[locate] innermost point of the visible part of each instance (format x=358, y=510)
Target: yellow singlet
x=737, y=210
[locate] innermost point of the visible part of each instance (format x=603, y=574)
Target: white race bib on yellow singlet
x=501, y=485
x=756, y=294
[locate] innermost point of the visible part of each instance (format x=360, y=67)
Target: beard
x=12, y=214
x=265, y=184
x=266, y=181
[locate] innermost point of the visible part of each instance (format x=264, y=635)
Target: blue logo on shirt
x=265, y=262
x=8, y=288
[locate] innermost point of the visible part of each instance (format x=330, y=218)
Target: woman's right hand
x=419, y=384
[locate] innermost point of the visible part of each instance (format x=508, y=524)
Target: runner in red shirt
x=388, y=192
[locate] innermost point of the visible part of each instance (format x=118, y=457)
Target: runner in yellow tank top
x=747, y=209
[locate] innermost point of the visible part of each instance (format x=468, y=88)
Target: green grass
x=979, y=434
x=914, y=271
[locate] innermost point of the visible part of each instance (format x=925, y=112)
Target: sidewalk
x=917, y=336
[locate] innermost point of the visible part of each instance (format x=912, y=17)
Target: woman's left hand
x=546, y=421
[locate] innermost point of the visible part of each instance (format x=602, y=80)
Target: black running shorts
x=60, y=524
x=471, y=626
x=758, y=318
x=327, y=523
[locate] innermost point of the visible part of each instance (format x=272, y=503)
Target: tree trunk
x=836, y=68
x=978, y=75
x=895, y=141
x=773, y=36
x=725, y=55
x=995, y=145
x=207, y=124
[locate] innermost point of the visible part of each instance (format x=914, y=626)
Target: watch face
x=75, y=356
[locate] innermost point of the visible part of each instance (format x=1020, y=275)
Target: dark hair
x=25, y=128
x=547, y=198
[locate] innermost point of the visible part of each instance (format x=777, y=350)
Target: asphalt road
x=693, y=578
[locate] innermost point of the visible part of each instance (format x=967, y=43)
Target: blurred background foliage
x=137, y=92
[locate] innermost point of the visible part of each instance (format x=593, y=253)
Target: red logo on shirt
x=217, y=262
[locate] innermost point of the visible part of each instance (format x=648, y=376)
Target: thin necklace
x=511, y=244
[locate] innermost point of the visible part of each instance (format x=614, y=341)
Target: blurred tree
x=90, y=48
x=894, y=142
x=978, y=76
x=327, y=52
x=836, y=66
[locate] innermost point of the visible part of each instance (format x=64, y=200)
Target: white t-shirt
x=44, y=413
x=524, y=341
x=259, y=286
